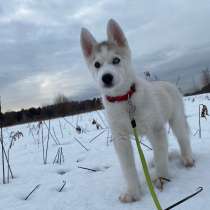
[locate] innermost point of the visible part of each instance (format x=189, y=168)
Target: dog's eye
x=115, y=61
x=97, y=65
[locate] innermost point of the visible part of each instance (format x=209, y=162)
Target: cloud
x=40, y=52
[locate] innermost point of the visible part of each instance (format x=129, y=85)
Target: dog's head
x=109, y=61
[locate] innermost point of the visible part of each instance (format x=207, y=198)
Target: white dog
x=156, y=104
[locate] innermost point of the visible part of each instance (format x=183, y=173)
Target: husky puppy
x=156, y=104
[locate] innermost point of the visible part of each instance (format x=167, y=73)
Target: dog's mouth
x=108, y=85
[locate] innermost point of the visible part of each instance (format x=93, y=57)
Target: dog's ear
x=115, y=33
x=87, y=42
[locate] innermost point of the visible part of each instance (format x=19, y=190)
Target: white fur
x=156, y=104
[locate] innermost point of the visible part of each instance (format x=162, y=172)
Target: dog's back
x=169, y=98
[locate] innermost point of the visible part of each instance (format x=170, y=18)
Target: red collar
x=125, y=97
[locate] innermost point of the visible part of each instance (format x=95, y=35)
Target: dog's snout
x=107, y=79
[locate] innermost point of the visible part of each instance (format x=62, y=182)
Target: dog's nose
x=107, y=79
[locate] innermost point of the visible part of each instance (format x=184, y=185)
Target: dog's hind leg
x=181, y=130
x=124, y=150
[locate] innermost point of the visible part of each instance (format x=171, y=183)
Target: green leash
x=131, y=110
x=145, y=167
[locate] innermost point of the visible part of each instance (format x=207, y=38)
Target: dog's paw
x=129, y=197
x=160, y=182
x=188, y=162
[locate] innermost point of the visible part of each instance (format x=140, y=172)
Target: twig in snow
x=89, y=169
x=59, y=156
x=202, y=114
x=49, y=131
x=69, y=123
x=96, y=136
x=77, y=127
x=98, y=126
x=101, y=118
x=2, y=152
x=56, y=136
x=146, y=146
x=184, y=199
x=81, y=144
x=48, y=138
x=14, y=136
x=31, y=132
x=196, y=132
x=36, y=187
x=107, y=139
x=60, y=128
x=63, y=185
x=43, y=149
x=5, y=155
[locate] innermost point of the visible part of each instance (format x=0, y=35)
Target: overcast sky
x=40, y=54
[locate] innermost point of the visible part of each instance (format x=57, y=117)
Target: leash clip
x=131, y=108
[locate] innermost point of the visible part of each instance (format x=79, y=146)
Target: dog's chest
x=118, y=117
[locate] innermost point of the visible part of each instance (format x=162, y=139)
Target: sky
x=40, y=54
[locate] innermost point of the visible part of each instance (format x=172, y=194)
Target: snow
x=98, y=190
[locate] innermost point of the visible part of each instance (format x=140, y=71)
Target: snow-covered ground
x=99, y=189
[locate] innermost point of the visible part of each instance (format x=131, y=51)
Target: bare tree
x=60, y=98
x=205, y=77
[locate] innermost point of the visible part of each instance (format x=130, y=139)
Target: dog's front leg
x=124, y=150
